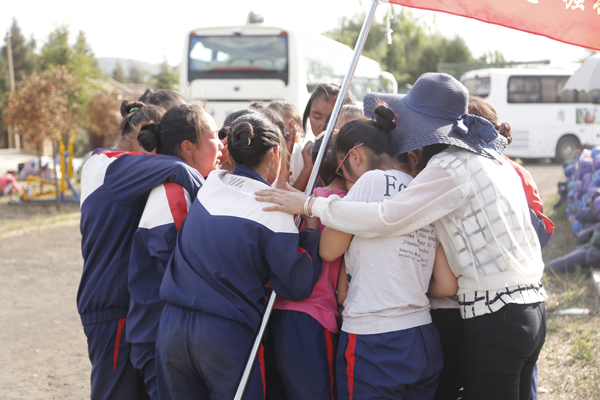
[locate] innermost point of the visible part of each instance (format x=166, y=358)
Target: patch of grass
x=583, y=349
x=569, y=364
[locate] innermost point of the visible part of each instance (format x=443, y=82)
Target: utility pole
x=13, y=139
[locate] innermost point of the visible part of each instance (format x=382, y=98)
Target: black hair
x=251, y=137
x=330, y=92
x=273, y=116
x=232, y=116
x=135, y=114
x=329, y=161
x=179, y=123
x=375, y=134
x=425, y=153
x=162, y=98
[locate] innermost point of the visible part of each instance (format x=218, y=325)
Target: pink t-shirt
x=322, y=303
x=5, y=180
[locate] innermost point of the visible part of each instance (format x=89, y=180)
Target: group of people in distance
x=416, y=273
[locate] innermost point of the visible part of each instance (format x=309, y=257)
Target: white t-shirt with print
x=388, y=276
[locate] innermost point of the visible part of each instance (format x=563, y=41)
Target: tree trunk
x=56, y=185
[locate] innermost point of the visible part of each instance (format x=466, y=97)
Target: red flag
x=570, y=21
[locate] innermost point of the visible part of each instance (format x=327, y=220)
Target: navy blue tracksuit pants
x=113, y=375
x=400, y=365
x=203, y=356
x=299, y=358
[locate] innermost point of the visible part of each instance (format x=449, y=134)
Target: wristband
x=336, y=292
x=306, y=207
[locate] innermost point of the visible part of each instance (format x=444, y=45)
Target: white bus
x=545, y=121
x=230, y=67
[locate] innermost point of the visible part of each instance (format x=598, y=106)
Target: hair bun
x=242, y=135
x=149, y=136
x=385, y=117
x=127, y=107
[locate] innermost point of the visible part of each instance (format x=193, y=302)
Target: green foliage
x=415, y=47
x=118, y=74
x=583, y=349
x=167, y=77
x=25, y=62
x=137, y=74
x=491, y=57
x=254, y=18
x=78, y=59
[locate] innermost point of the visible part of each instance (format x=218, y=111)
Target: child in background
x=303, y=335
x=348, y=113
x=389, y=348
x=227, y=249
x=319, y=107
x=294, y=136
x=190, y=134
x=9, y=185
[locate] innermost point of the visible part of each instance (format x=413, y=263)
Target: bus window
x=238, y=57
x=523, y=89
x=478, y=86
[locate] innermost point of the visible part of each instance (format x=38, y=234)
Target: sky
x=149, y=31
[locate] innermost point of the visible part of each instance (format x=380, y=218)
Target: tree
x=103, y=117
x=167, y=77
x=78, y=59
x=43, y=106
x=254, y=18
x=491, y=57
x=415, y=49
x=118, y=74
x=25, y=62
x=137, y=74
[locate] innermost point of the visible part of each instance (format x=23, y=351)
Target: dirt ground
x=43, y=347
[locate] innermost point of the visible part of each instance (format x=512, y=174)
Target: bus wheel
x=566, y=149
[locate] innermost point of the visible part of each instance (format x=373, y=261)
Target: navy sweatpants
x=400, y=365
x=203, y=356
x=299, y=358
x=143, y=358
x=113, y=375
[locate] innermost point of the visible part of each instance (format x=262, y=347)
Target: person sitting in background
x=9, y=185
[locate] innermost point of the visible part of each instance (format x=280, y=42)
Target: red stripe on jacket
x=534, y=201
x=177, y=203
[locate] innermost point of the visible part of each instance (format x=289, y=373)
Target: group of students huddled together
x=416, y=273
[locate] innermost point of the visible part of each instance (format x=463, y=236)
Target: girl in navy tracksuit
x=114, y=187
x=189, y=133
x=227, y=249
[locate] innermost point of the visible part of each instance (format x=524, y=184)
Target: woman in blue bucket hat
x=479, y=211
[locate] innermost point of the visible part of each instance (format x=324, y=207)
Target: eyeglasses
x=339, y=170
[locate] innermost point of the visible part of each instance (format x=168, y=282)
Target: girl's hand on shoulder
x=290, y=201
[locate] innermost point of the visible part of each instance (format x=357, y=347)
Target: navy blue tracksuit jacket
x=114, y=189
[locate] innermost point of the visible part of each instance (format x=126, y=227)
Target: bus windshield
x=238, y=57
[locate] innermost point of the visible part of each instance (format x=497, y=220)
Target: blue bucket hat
x=435, y=110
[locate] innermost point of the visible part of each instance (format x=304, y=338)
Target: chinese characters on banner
x=573, y=4
x=570, y=21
